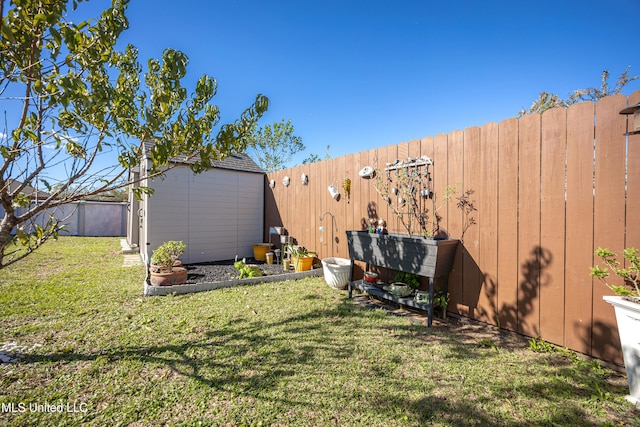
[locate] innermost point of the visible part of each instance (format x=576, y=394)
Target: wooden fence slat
x=486, y=193
x=609, y=211
x=440, y=175
x=633, y=181
x=454, y=220
x=403, y=150
x=339, y=210
x=508, y=225
x=579, y=227
x=325, y=205
x=471, y=256
x=529, y=249
x=313, y=188
x=426, y=147
x=355, y=211
x=393, y=222
x=552, y=225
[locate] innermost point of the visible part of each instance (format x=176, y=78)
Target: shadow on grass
x=319, y=350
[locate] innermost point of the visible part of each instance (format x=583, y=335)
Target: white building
x=218, y=213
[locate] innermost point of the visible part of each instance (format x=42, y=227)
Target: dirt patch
x=467, y=331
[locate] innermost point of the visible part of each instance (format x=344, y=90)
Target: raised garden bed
x=210, y=276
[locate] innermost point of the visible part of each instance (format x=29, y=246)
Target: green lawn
x=287, y=353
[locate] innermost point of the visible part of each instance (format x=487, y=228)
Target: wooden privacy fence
x=547, y=190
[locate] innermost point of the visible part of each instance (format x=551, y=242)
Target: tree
x=313, y=157
x=547, y=101
x=273, y=146
x=70, y=100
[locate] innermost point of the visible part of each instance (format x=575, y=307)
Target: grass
x=288, y=353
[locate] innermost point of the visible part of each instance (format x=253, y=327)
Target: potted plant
x=626, y=304
x=301, y=257
x=166, y=269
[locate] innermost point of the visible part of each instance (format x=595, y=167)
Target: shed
x=218, y=214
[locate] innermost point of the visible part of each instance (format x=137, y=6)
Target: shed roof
x=236, y=161
x=29, y=191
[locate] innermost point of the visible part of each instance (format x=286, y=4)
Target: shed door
x=225, y=215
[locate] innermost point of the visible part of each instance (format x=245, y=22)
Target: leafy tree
x=312, y=158
x=69, y=98
x=273, y=146
x=547, y=101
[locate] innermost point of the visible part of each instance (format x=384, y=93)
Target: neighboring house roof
x=237, y=161
x=29, y=191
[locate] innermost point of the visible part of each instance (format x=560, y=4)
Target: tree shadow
x=253, y=358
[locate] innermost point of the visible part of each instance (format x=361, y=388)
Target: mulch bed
x=219, y=271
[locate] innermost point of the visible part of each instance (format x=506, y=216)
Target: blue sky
x=359, y=75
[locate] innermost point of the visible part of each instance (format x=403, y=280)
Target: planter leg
x=430, y=307
x=350, y=279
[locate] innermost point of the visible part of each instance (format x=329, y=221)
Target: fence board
x=313, y=188
x=454, y=219
x=633, y=181
x=508, y=225
x=403, y=150
x=472, y=281
x=529, y=249
x=339, y=209
x=579, y=226
x=355, y=211
x=426, y=147
x=368, y=197
x=325, y=205
x=440, y=173
x=609, y=210
x=552, y=225
x=393, y=223
x=352, y=162
x=487, y=205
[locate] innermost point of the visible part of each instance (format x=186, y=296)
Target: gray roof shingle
x=237, y=161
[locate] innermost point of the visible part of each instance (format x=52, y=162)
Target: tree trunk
x=6, y=226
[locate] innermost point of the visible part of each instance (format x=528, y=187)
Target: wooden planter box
x=424, y=257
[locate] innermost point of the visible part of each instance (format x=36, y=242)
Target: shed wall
x=218, y=214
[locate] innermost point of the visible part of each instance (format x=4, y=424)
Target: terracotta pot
x=162, y=269
x=176, y=277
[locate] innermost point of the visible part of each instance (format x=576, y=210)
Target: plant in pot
x=301, y=257
x=166, y=269
x=626, y=304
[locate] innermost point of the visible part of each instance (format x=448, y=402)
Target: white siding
x=250, y=212
x=167, y=209
x=218, y=213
